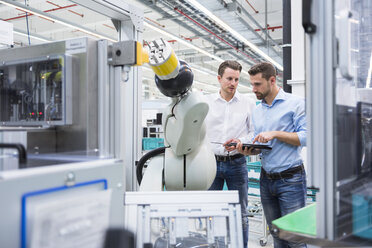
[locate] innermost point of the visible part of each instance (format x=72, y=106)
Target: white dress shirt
x=228, y=120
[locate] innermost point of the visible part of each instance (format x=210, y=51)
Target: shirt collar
x=280, y=96
x=236, y=96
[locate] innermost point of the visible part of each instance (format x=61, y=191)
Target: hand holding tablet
x=258, y=146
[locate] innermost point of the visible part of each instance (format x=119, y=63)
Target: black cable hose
x=143, y=160
x=22, y=153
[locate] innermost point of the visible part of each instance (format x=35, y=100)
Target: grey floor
x=256, y=230
x=256, y=234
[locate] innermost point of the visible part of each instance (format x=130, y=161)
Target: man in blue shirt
x=280, y=122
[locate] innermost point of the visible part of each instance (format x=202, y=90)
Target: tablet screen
x=258, y=146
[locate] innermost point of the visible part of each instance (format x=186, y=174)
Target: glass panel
x=31, y=92
x=353, y=141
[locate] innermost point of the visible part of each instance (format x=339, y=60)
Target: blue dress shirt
x=287, y=113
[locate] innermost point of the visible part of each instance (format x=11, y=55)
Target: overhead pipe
x=106, y=25
x=214, y=34
x=30, y=14
x=256, y=11
x=189, y=39
x=155, y=22
x=287, y=49
x=27, y=15
x=269, y=28
x=73, y=12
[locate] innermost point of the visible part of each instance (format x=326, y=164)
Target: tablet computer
x=258, y=146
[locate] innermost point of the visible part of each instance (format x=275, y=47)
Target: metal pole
x=287, y=50
x=266, y=29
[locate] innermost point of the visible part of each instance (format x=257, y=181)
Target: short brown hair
x=232, y=64
x=266, y=68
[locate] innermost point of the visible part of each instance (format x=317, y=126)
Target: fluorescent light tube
x=19, y=32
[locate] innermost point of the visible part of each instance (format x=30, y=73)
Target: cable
x=178, y=101
x=28, y=30
x=143, y=160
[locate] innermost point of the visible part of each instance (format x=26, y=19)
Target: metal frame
x=128, y=20
x=140, y=207
x=104, y=135
x=320, y=113
x=116, y=10
x=131, y=92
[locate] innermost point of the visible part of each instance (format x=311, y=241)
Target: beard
x=259, y=96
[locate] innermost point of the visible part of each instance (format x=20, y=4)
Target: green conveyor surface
x=301, y=221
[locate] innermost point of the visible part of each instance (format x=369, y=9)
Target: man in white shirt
x=229, y=117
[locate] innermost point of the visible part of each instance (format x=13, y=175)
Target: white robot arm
x=188, y=162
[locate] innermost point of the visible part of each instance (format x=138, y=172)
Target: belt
x=221, y=158
x=284, y=174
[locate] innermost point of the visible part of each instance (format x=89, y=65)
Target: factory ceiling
x=202, y=32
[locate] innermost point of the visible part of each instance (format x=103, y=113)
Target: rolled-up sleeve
x=299, y=120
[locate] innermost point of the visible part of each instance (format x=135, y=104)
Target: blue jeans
x=280, y=197
x=235, y=173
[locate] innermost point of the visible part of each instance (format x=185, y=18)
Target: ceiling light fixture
x=54, y=19
x=19, y=32
x=197, y=5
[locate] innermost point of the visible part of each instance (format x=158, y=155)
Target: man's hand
x=286, y=137
x=247, y=151
x=265, y=137
x=230, y=148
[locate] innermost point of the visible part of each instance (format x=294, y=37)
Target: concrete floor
x=256, y=234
